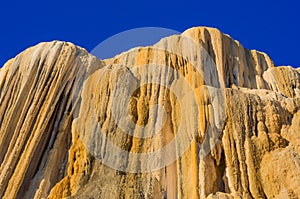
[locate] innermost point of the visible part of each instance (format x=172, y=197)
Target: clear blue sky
x=269, y=26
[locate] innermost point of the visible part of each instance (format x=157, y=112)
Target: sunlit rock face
x=194, y=116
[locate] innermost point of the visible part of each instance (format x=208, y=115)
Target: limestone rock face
x=37, y=91
x=194, y=116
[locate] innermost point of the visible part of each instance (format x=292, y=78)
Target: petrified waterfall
x=194, y=116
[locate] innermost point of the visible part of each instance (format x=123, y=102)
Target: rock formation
x=74, y=126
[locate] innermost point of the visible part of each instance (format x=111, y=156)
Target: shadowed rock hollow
x=230, y=117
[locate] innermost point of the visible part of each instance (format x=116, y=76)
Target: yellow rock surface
x=231, y=118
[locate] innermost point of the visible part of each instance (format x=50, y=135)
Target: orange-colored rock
x=194, y=116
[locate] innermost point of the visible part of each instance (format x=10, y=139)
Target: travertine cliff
x=230, y=117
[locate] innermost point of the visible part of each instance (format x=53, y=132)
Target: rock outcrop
x=194, y=116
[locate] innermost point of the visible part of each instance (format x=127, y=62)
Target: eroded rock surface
x=231, y=117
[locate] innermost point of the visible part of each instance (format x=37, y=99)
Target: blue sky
x=269, y=26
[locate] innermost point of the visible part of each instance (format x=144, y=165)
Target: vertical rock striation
x=230, y=116
x=36, y=95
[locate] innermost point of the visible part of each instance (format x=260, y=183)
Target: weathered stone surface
x=36, y=95
x=237, y=114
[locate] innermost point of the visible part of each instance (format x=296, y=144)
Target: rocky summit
x=196, y=115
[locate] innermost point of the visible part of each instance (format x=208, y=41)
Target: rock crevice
x=74, y=126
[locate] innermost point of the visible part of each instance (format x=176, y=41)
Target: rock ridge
x=56, y=100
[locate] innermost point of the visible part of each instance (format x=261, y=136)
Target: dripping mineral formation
x=230, y=117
